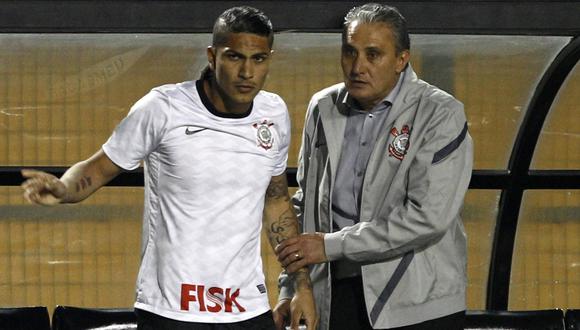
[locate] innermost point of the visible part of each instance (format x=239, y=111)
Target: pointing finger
x=28, y=173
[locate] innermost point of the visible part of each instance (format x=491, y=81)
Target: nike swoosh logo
x=190, y=131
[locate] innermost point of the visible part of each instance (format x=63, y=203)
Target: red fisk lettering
x=215, y=295
x=191, y=293
x=200, y=295
x=232, y=299
x=186, y=296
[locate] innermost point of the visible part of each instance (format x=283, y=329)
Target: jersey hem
x=210, y=318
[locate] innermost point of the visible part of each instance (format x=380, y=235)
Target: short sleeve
x=139, y=134
x=284, y=134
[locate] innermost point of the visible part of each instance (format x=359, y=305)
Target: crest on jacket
x=264, y=134
x=400, y=144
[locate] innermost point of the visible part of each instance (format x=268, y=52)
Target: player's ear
x=211, y=54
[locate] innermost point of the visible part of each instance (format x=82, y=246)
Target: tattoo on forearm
x=283, y=227
x=84, y=183
x=277, y=189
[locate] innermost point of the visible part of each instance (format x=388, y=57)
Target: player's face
x=370, y=63
x=240, y=67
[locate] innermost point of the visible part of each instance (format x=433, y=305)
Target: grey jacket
x=410, y=241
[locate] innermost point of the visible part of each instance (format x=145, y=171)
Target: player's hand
x=281, y=313
x=302, y=307
x=42, y=188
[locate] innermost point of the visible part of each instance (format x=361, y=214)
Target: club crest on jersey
x=264, y=134
x=398, y=148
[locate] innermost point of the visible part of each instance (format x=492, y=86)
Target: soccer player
x=215, y=153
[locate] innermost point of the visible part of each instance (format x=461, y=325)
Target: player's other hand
x=282, y=314
x=42, y=188
x=288, y=314
x=303, y=307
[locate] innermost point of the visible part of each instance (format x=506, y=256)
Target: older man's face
x=370, y=62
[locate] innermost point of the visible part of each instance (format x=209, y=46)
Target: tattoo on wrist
x=84, y=183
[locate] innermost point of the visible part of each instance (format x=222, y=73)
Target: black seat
x=552, y=319
x=24, y=318
x=573, y=319
x=77, y=318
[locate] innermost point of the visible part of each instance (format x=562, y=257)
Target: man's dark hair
x=242, y=19
x=379, y=13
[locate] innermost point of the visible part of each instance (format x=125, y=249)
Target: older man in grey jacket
x=384, y=166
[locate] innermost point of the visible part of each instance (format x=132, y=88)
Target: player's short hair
x=379, y=13
x=242, y=19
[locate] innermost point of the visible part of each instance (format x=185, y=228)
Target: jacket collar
x=408, y=95
x=334, y=110
x=334, y=123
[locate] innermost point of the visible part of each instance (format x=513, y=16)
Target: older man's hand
x=301, y=251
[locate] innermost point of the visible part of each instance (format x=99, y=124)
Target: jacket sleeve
x=429, y=200
x=285, y=281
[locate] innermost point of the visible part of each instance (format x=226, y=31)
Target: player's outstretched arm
x=281, y=223
x=76, y=184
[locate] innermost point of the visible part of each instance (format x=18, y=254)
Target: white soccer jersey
x=206, y=175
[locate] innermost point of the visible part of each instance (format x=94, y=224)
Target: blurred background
x=70, y=74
